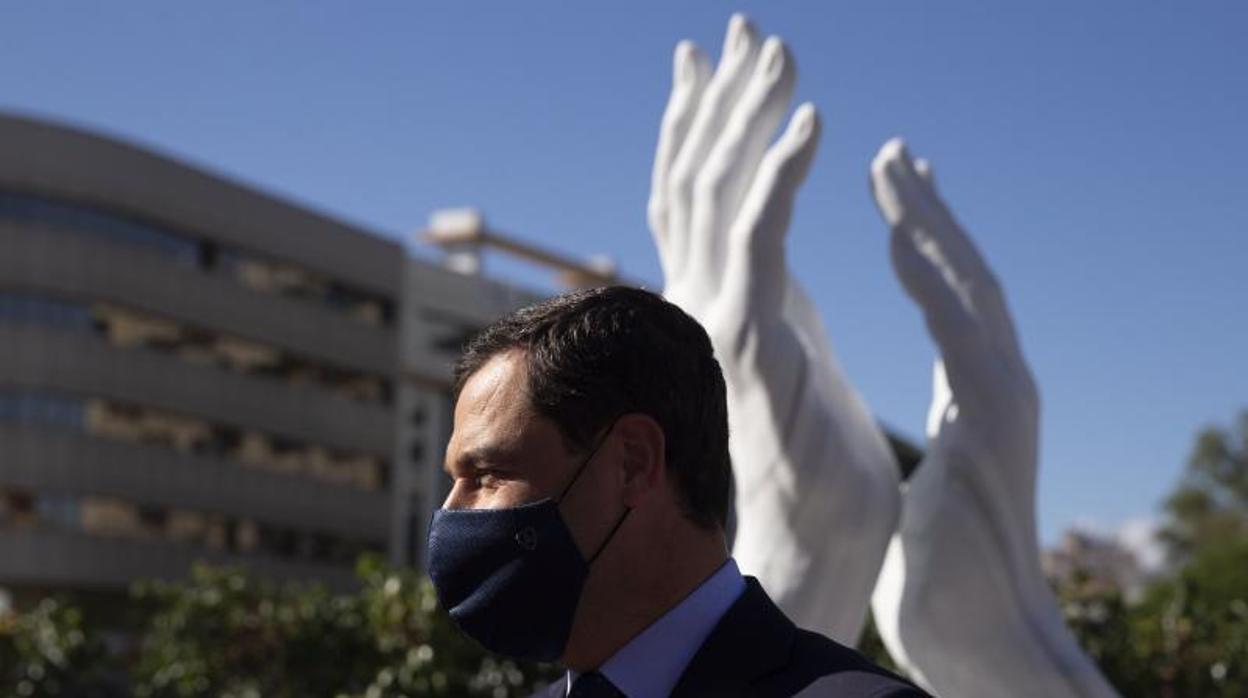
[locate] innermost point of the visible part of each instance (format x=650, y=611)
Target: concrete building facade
x=191, y=369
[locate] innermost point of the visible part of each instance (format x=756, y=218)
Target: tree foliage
x=50, y=652
x=1188, y=634
x=1210, y=506
x=227, y=634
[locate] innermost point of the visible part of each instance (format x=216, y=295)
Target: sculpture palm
x=961, y=602
x=816, y=483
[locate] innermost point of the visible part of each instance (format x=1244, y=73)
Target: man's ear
x=643, y=446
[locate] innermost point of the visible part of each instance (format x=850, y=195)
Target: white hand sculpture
x=961, y=602
x=816, y=482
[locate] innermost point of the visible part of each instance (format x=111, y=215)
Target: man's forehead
x=493, y=404
x=496, y=384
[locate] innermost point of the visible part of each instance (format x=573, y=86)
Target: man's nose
x=459, y=497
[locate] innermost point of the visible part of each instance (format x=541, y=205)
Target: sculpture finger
x=690, y=73
x=718, y=97
x=756, y=275
x=973, y=272
x=989, y=295
x=735, y=156
x=918, y=258
x=927, y=274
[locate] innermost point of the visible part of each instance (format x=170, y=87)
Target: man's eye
x=487, y=478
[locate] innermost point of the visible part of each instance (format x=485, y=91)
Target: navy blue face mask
x=511, y=578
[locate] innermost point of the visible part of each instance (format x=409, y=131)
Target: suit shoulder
x=838, y=670
x=811, y=646
x=846, y=685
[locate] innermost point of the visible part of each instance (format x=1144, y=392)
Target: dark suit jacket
x=755, y=651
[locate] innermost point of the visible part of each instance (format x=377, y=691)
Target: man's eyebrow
x=474, y=457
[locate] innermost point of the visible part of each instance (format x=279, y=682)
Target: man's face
x=502, y=453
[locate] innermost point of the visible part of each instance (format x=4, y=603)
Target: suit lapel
x=751, y=640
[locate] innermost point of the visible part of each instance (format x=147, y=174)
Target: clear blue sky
x=1096, y=152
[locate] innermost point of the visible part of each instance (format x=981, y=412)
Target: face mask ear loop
x=585, y=464
x=609, y=536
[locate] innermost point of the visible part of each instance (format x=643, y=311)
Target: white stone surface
x=817, y=485
x=962, y=602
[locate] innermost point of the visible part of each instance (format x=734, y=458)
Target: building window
x=284, y=279
x=41, y=211
x=58, y=509
x=256, y=271
x=19, y=309
x=38, y=408
x=17, y=508
x=115, y=517
x=118, y=421
x=126, y=328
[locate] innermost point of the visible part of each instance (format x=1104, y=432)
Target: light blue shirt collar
x=651, y=663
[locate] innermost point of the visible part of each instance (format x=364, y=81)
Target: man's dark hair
x=597, y=354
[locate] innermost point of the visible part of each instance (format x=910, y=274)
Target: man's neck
x=625, y=598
